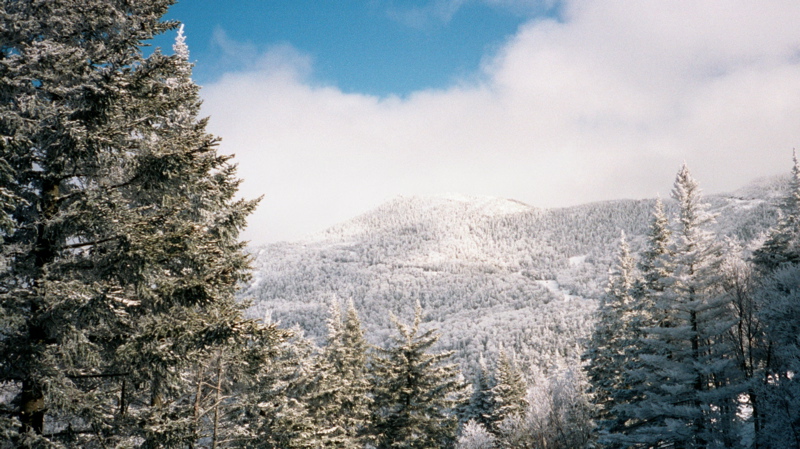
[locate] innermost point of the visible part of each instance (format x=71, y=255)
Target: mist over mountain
x=488, y=272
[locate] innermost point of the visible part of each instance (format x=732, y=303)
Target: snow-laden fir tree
x=353, y=366
x=779, y=297
x=654, y=261
x=278, y=399
x=322, y=398
x=481, y=402
x=687, y=399
x=783, y=243
x=509, y=393
x=339, y=401
x=415, y=392
x=776, y=393
x=120, y=227
x=610, y=348
x=655, y=265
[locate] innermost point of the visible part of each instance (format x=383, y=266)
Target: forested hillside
x=489, y=272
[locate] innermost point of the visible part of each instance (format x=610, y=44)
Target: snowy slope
x=487, y=271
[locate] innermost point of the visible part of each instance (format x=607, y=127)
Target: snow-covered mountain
x=488, y=272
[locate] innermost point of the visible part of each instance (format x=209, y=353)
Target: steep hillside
x=487, y=271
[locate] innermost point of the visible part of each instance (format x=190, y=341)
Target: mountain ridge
x=489, y=272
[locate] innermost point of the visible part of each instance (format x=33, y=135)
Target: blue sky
x=334, y=107
x=368, y=46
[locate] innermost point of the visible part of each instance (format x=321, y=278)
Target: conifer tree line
x=697, y=344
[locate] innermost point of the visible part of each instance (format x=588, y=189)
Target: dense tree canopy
x=119, y=227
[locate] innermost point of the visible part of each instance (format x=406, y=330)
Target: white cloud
x=604, y=104
x=437, y=12
x=234, y=56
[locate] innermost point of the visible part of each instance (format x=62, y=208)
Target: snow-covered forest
x=132, y=316
x=488, y=272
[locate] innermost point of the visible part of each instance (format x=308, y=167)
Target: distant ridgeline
x=488, y=272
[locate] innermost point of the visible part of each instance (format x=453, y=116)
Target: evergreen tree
x=783, y=243
x=509, y=394
x=481, y=403
x=687, y=401
x=353, y=368
x=277, y=399
x=634, y=300
x=324, y=384
x=612, y=343
x=779, y=298
x=654, y=262
x=415, y=394
x=616, y=372
x=120, y=227
x=340, y=398
x=776, y=394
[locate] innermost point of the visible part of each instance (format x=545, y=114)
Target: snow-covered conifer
x=122, y=257
x=654, y=260
x=783, y=243
x=354, y=370
x=777, y=304
x=339, y=397
x=481, y=403
x=510, y=391
x=277, y=398
x=613, y=342
x=415, y=392
x=686, y=400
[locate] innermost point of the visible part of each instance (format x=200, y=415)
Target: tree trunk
x=214, y=436
x=32, y=409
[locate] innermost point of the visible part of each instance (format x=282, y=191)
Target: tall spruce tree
x=339, y=400
x=354, y=407
x=779, y=298
x=641, y=317
x=121, y=252
x=481, y=402
x=286, y=392
x=783, y=243
x=615, y=334
x=509, y=393
x=324, y=385
x=777, y=306
x=686, y=400
x=415, y=392
x=654, y=262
